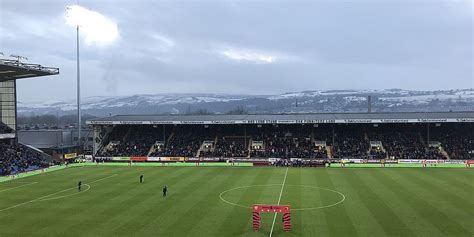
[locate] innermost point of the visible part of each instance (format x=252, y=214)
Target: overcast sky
x=245, y=47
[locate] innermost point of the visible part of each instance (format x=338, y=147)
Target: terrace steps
x=152, y=149
x=329, y=151
x=249, y=147
x=444, y=153
x=198, y=153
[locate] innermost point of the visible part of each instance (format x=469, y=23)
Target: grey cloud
x=334, y=44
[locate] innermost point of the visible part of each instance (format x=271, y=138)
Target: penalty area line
x=279, y=199
x=95, y=181
x=59, y=197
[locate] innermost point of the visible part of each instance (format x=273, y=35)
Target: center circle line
x=343, y=197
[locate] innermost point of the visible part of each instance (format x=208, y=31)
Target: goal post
x=284, y=209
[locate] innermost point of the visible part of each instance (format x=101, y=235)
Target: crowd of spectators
x=180, y=145
x=288, y=142
x=350, y=144
x=276, y=144
x=133, y=142
x=398, y=141
x=306, y=148
x=301, y=163
x=458, y=141
x=229, y=147
x=460, y=148
x=233, y=141
x=404, y=145
x=19, y=158
x=377, y=154
x=184, y=142
x=434, y=153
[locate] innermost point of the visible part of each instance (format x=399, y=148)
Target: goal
x=285, y=209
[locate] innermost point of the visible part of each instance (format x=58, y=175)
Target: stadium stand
x=15, y=157
x=230, y=146
x=184, y=141
x=308, y=141
x=350, y=143
x=456, y=141
x=289, y=141
x=132, y=141
x=401, y=144
x=20, y=158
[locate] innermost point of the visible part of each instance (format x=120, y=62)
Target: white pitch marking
x=95, y=181
x=279, y=199
x=321, y=207
x=18, y=187
x=39, y=199
x=16, y=182
x=343, y=197
x=59, y=197
x=241, y=187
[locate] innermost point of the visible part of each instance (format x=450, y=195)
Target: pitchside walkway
x=220, y=164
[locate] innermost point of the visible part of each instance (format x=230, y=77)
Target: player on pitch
x=79, y=186
x=141, y=178
x=165, y=190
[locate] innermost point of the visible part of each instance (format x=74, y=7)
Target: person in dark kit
x=79, y=186
x=141, y=178
x=165, y=190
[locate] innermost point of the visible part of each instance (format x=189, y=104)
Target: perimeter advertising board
x=70, y=156
x=121, y=158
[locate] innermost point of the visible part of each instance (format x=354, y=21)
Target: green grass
x=378, y=202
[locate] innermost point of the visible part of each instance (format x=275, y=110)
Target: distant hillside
x=389, y=100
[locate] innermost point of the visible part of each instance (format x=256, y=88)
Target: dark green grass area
x=378, y=202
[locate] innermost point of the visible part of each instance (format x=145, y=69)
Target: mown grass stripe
x=403, y=203
x=426, y=218
x=442, y=193
x=118, y=195
x=463, y=177
x=428, y=201
x=148, y=195
x=338, y=218
x=202, y=206
x=218, y=210
x=449, y=185
x=193, y=195
x=298, y=218
x=320, y=219
x=60, y=207
x=267, y=195
x=355, y=208
x=449, y=214
x=262, y=177
x=279, y=200
x=180, y=192
x=387, y=217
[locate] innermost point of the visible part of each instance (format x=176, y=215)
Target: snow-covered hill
x=306, y=101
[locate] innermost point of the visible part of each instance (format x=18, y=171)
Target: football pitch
x=216, y=201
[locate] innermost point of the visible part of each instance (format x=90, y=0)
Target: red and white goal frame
x=285, y=209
